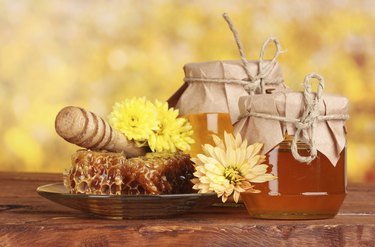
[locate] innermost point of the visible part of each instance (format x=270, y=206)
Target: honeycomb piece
x=107, y=173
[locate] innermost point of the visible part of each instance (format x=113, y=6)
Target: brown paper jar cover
x=329, y=134
x=216, y=86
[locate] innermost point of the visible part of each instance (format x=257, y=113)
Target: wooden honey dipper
x=85, y=129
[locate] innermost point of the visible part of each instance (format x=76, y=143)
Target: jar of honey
x=209, y=97
x=305, y=147
x=300, y=191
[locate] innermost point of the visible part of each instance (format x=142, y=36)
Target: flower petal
x=216, y=169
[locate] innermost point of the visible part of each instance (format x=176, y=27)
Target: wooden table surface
x=28, y=219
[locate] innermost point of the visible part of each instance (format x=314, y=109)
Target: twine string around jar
x=252, y=83
x=308, y=120
x=264, y=68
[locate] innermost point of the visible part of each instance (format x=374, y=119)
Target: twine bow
x=252, y=83
x=255, y=82
x=308, y=119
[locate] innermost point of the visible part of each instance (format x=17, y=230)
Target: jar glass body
x=301, y=191
x=206, y=124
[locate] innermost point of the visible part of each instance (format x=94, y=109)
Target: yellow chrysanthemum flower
x=137, y=118
x=182, y=139
x=230, y=167
x=172, y=133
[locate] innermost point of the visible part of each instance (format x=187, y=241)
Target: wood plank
x=28, y=218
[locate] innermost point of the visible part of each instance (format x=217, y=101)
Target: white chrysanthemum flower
x=230, y=167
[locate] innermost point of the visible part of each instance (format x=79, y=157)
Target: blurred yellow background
x=93, y=53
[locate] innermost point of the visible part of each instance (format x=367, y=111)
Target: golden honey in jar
x=205, y=125
x=304, y=138
x=301, y=191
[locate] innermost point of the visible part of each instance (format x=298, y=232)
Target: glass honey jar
x=211, y=90
x=210, y=93
x=300, y=191
x=305, y=147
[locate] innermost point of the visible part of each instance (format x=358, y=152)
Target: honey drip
x=301, y=191
x=206, y=124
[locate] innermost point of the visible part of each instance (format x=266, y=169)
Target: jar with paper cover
x=304, y=141
x=211, y=90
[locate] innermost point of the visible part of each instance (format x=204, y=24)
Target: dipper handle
x=85, y=129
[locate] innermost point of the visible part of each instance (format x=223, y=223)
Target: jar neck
x=287, y=143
